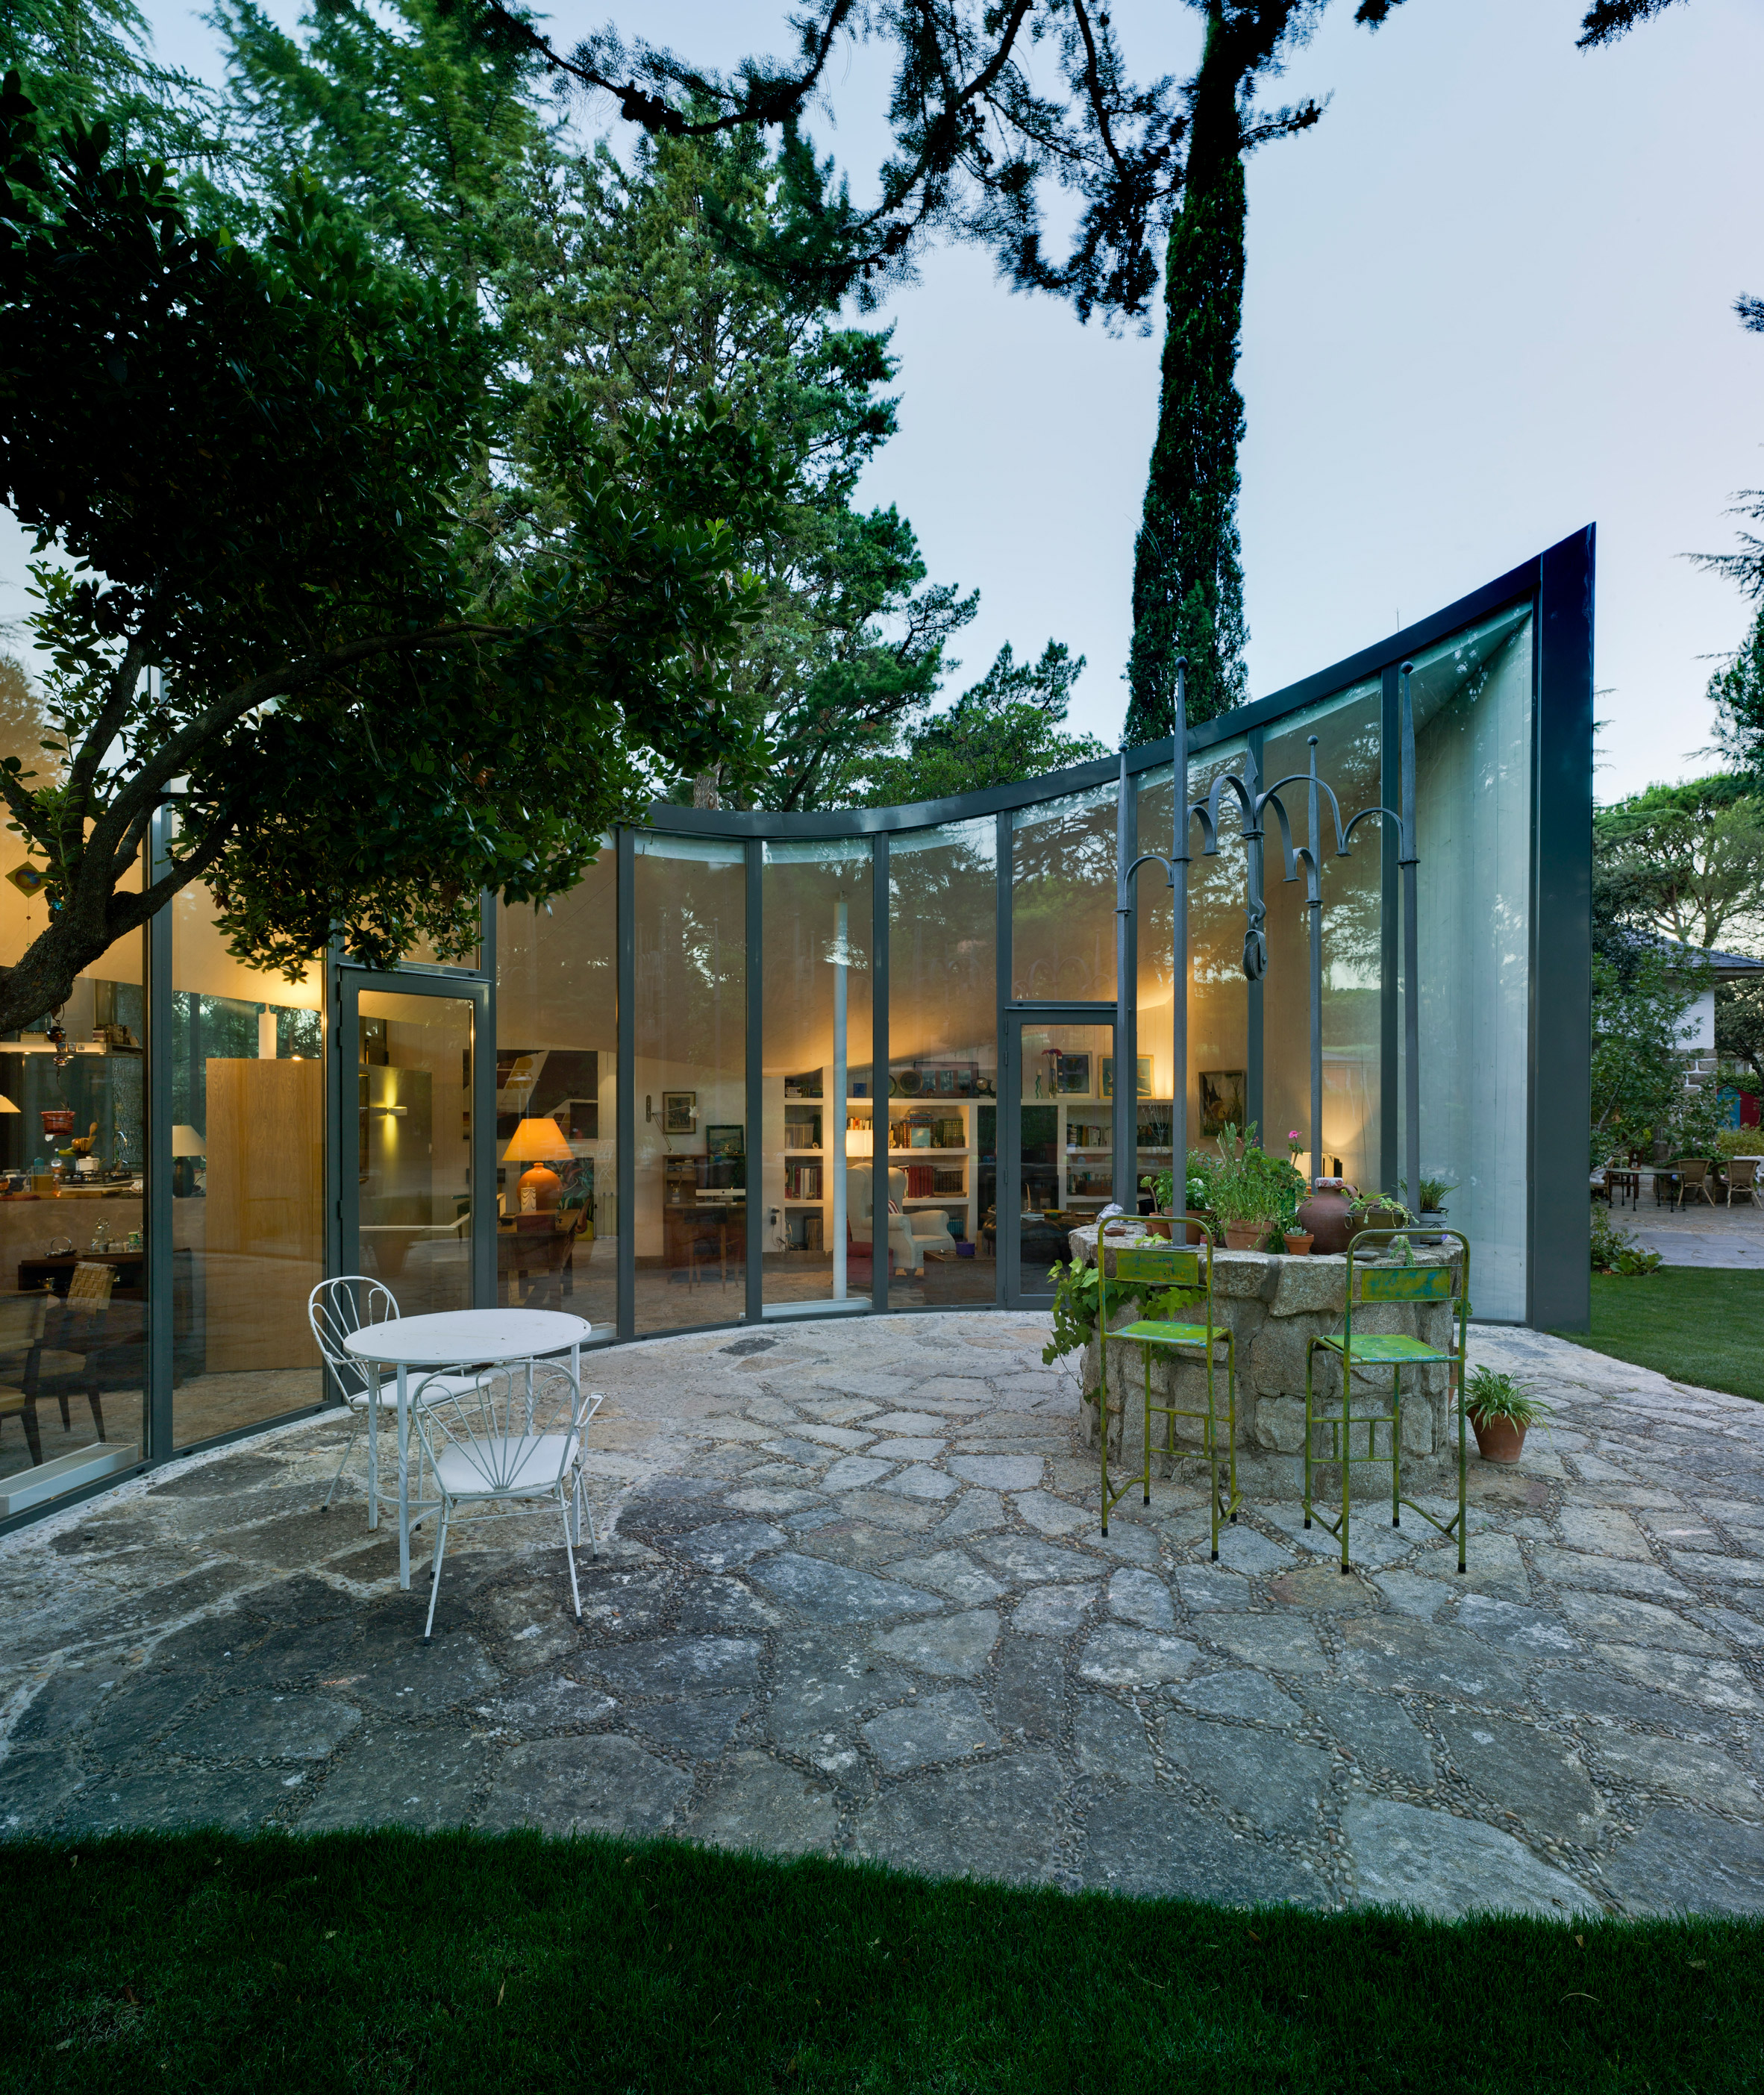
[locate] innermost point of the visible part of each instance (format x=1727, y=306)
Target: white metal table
x=491, y=1338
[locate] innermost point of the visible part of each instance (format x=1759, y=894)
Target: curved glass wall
x=1063, y=899
x=818, y=1118
x=690, y=1227
x=942, y=1065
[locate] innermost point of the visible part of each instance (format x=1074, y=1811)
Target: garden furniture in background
x=1742, y=1179
x=1692, y=1174
x=510, y=1436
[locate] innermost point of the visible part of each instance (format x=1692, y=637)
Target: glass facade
x=689, y=1226
x=730, y=1075
x=942, y=1065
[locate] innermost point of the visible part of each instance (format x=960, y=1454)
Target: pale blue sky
x=1489, y=298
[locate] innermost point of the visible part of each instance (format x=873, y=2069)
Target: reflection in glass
x=1473, y=758
x=413, y=1136
x=1065, y=1163
x=1349, y=731
x=818, y=1125
x=557, y=1063
x=1063, y=899
x=690, y=1081
x=943, y=1065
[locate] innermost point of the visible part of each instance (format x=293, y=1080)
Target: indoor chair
x=1141, y=1269
x=513, y=1434
x=22, y=1319
x=904, y=1254
x=334, y=1310
x=1362, y=1351
x=83, y=1331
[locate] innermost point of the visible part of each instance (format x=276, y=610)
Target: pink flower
x=1292, y=1135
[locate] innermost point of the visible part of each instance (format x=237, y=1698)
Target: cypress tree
x=1188, y=567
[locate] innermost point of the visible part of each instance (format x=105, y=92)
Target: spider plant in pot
x=1500, y=1409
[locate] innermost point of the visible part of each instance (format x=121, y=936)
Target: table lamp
x=539, y=1142
x=186, y=1143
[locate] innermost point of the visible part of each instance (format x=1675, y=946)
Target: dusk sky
x=1489, y=299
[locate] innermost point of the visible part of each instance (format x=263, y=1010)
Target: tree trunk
x=704, y=789
x=1188, y=573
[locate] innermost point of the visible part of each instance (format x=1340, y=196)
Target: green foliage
x=1639, y=1032
x=1078, y=1289
x=1489, y=1394
x=246, y=460
x=1737, y=692
x=1433, y=1193
x=1739, y=1027
x=1687, y=860
x=93, y=59
x=1247, y=1185
x=1006, y=727
x=1617, y=1250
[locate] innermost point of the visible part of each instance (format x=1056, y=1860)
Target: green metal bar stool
x=1141, y=1268
x=1359, y=1352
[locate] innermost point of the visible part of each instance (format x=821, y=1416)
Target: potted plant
x=1499, y=1409
x=1250, y=1189
x=1377, y=1211
x=1293, y=1234
x=1165, y=1215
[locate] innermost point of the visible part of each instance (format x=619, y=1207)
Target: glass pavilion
x=758, y=1067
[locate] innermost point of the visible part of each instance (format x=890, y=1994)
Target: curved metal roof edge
x=1519, y=581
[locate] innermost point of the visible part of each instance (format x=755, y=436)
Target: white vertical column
x=835, y=1112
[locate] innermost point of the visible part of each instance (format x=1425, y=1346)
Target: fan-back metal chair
x=337, y=1308
x=514, y=1435
x=1359, y=1352
x=1141, y=1268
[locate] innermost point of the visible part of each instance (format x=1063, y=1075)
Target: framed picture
x=1222, y=1099
x=725, y=1142
x=1075, y=1075
x=1143, y=1076
x=679, y=1112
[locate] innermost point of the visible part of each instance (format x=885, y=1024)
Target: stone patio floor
x=854, y=1601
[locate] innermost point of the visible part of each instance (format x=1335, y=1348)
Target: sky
x=1488, y=299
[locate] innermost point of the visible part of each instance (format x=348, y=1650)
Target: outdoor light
x=539, y=1142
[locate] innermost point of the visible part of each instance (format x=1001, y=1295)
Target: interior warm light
x=539, y=1142
x=186, y=1142
x=859, y=1141
x=6, y=1106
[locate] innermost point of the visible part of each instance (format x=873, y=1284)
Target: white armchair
x=931, y=1232
x=909, y=1253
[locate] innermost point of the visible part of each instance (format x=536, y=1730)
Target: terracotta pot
x=1374, y=1218
x=1165, y=1226
x=1245, y=1236
x=1298, y=1242
x=1199, y=1227
x=1324, y=1215
x=1158, y=1224
x=1498, y=1439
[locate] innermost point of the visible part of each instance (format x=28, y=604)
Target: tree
x=1687, y=860
x=1639, y=1036
x=94, y=57
x=1737, y=692
x=246, y=460
x=1006, y=727
x=1740, y=1026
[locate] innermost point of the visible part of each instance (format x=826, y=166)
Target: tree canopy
x=246, y=460
x=1686, y=862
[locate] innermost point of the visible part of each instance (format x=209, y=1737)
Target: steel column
x=625, y=1166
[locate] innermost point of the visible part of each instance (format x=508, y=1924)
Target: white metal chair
x=334, y=1309
x=516, y=1434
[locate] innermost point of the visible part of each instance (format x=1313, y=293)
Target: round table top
x=467, y=1334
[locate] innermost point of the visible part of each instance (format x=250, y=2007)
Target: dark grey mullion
x=625, y=1111
x=484, y=1121
x=1559, y=1288
x=1126, y=1176
x=1007, y=1177
x=755, y=1140
x=878, y=1075
x=1255, y=1001
x=157, y=1421
x=1390, y=1015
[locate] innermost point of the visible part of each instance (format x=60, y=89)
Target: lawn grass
x=396, y=1961
x=1698, y=1324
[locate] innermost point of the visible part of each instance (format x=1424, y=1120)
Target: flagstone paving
x=852, y=1601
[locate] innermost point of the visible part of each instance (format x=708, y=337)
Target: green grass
x=392, y=1961
x=1697, y=1324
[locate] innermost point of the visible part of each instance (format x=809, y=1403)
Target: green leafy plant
x=1620, y=1251
x=1489, y=1394
x=1247, y=1185
x=1433, y=1193
x=1079, y=1291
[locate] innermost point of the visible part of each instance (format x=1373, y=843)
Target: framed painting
x=1222, y=1093
x=679, y=1112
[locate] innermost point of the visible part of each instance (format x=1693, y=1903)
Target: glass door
x=408, y=1208
x=1056, y=1151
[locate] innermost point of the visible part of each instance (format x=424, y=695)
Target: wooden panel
x=265, y=1212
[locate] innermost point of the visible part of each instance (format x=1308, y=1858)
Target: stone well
x=1274, y=1305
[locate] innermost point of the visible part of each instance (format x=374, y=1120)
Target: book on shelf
x=802, y=1182
x=946, y=1178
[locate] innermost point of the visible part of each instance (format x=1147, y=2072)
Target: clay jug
x=1324, y=1215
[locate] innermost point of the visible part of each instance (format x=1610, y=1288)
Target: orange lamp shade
x=539, y=1141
